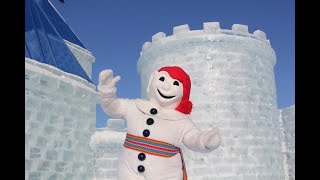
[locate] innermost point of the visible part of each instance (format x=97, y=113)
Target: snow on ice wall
x=233, y=88
x=83, y=56
x=287, y=126
x=107, y=144
x=60, y=116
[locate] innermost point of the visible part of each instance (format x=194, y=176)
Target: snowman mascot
x=156, y=127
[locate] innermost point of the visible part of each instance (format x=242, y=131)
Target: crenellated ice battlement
x=233, y=88
x=209, y=28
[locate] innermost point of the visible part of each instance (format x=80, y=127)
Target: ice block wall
x=60, y=117
x=107, y=144
x=287, y=127
x=233, y=88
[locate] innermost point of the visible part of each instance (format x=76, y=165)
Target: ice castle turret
x=60, y=99
x=233, y=88
x=287, y=129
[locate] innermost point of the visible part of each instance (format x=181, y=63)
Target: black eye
x=176, y=83
x=161, y=79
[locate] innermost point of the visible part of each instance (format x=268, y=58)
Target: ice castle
x=60, y=99
x=233, y=88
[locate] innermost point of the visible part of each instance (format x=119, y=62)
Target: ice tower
x=60, y=99
x=287, y=127
x=233, y=88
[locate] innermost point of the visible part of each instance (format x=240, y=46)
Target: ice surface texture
x=233, y=88
x=287, y=122
x=107, y=144
x=60, y=115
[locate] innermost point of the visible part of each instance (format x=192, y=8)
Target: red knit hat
x=176, y=72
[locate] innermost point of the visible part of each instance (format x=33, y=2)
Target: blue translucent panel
x=26, y=50
x=32, y=42
x=43, y=29
x=58, y=22
x=43, y=40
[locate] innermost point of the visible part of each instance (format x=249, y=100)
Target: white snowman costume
x=157, y=119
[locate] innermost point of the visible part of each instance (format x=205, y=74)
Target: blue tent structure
x=45, y=31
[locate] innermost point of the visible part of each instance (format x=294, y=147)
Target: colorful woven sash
x=154, y=147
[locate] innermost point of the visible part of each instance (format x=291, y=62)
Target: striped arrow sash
x=154, y=147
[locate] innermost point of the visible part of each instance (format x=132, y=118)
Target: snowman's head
x=170, y=88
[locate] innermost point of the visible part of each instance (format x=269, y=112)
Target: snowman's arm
x=115, y=107
x=196, y=140
x=110, y=103
x=193, y=140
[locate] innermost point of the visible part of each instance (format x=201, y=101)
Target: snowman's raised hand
x=107, y=83
x=212, y=139
x=106, y=78
x=110, y=103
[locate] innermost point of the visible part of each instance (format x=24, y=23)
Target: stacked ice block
x=287, y=124
x=60, y=115
x=107, y=144
x=233, y=88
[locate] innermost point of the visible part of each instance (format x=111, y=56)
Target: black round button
x=146, y=133
x=150, y=121
x=141, y=168
x=141, y=156
x=153, y=111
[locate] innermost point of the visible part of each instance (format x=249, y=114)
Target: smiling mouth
x=166, y=97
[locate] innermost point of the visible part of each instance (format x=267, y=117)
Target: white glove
x=212, y=139
x=109, y=102
x=106, y=87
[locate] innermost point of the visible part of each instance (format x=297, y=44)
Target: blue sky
x=115, y=30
